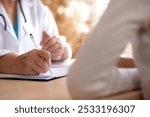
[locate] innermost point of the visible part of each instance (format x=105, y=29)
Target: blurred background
x=76, y=18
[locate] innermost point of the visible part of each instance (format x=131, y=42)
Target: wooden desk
x=49, y=90
x=22, y=89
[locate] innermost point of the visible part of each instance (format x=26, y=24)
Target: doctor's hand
x=33, y=62
x=54, y=46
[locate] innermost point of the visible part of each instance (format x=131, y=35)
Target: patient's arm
x=126, y=63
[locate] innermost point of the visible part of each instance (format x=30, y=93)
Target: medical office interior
x=75, y=20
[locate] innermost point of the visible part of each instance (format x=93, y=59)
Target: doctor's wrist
x=6, y=63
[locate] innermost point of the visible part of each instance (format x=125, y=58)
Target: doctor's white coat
x=39, y=19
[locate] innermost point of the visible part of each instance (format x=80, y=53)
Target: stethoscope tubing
x=5, y=24
x=22, y=11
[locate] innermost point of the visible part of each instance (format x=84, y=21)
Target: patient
x=95, y=72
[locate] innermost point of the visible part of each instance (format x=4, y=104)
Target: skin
x=35, y=61
x=126, y=63
x=49, y=43
x=31, y=63
x=54, y=46
x=10, y=7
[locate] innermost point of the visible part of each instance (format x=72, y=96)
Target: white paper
x=59, y=69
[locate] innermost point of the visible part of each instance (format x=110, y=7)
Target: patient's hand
x=126, y=63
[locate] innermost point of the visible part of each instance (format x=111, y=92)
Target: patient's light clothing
x=94, y=73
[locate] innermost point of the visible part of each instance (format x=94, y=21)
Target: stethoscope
x=28, y=31
x=4, y=19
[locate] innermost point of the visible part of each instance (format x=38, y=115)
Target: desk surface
x=48, y=90
x=22, y=89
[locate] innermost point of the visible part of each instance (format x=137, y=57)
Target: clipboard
x=59, y=69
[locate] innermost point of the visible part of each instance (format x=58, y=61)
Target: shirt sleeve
x=94, y=73
x=3, y=52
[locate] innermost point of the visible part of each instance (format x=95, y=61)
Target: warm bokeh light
x=75, y=18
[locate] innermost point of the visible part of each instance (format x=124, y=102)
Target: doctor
x=20, y=22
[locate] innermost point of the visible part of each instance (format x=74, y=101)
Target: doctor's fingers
x=42, y=65
x=29, y=71
x=45, y=55
x=35, y=66
x=57, y=53
x=55, y=47
x=33, y=70
x=45, y=38
x=50, y=42
x=56, y=57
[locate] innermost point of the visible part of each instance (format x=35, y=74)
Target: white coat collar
x=2, y=12
x=26, y=5
x=8, y=22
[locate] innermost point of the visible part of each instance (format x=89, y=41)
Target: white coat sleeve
x=3, y=52
x=94, y=73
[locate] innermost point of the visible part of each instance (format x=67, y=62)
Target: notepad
x=59, y=69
